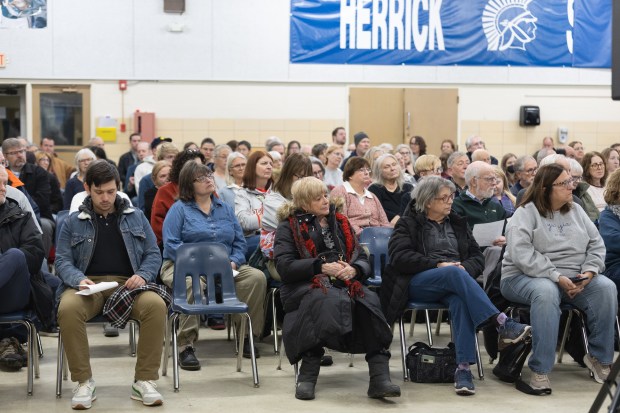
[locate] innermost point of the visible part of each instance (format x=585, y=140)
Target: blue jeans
x=598, y=301
x=469, y=305
x=14, y=281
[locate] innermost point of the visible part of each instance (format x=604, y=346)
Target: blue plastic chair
x=209, y=262
x=25, y=318
x=414, y=306
x=376, y=240
x=61, y=217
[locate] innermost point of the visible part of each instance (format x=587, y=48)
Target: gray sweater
x=565, y=244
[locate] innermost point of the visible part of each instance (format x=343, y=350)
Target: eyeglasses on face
x=204, y=178
x=18, y=152
x=568, y=183
x=531, y=171
x=446, y=198
x=599, y=165
x=239, y=166
x=86, y=160
x=577, y=179
x=364, y=170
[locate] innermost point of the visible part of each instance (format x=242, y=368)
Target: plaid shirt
x=117, y=307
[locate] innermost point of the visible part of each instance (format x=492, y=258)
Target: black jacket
x=322, y=317
x=408, y=257
x=37, y=184
x=17, y=230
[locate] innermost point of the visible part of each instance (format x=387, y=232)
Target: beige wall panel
x=247, y=124
x=196, y=124
x=221, y=125
x=271, y=124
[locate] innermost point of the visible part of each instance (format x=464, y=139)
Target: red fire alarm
x=122, y=85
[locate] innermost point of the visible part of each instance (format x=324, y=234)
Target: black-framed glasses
x=577, y=179
x=446, y=198
x=18, y=152
x=599, y=165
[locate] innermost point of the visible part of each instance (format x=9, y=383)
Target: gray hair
x=553, y=158
x=520, y=162
x=544, y=153
x=11, y=143
x=575, y=166
x=427, y=189
x=271, y=142
x=84, y=151
x=454, y=156
x=408, y=148
x=233, y=155
x=377, y=168
x=219, y=148
x=469, y=140
x=475, y=169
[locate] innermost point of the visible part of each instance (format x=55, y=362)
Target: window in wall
x=62, y=113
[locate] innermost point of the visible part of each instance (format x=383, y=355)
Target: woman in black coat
x=434, y=258
x=322, y=267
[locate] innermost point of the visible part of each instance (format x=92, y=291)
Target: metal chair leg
x=166, y=354
x=414, y=313
x=403, y=347
x=429, y=332
x=274, y=321
x=132, y=338
x=478, y=357
x=31, y=344
x=439, y=319
x=565, y=336
x=279, y=367
x=252, y=352
x=175, y=352
x=59, y=367
x=350, y=360
x=39, y=345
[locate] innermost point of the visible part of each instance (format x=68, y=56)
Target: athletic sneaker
x=83, y=395
x=464, y=382
x=145, y=392
x=512, y=332
x=599, y=371
x=540, y=383
x=12, y=354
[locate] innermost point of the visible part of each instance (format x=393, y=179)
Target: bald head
x=481, y=155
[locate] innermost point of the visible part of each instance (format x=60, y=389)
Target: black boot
x=308, y=373
x=379, y=370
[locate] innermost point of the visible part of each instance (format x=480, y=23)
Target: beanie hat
x=357, y=138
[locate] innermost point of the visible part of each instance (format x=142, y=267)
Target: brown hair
x=540, y=191
x=249, y=175
x=295, y=164
x=586, y=162
x=189, y=173
x=612, y=189
x=353, y=165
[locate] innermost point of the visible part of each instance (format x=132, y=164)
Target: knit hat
x=155, y=142
x=357, y=138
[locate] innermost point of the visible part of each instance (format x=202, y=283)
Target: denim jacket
x=77, y=240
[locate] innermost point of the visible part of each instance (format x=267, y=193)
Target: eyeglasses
x=568, y=184
x=403, y=153
x=531, y=171
x=446, y=198
x=19, y=152
x=239, y=166
x=489, y=179
x=577, y=179
x=85, y=160
x=364, y=170
x=599, y=165
x=318, y=174
x=204, y=178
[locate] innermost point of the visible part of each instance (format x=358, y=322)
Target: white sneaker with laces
x=599, y=371
x=83, y=395
x=145, y=392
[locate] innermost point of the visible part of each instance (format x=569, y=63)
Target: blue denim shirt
x=77, y=241
x=186, y=222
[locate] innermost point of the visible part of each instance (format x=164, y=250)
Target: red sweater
x=166, y=196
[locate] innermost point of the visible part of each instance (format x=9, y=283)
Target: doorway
x=11, y=115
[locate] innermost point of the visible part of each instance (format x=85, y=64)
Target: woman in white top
x=235, y=167
x=220, y=156
x=595, y=174
x=257, y=184
x=333, y=173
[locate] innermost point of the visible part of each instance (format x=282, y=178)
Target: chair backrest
x=376, y=240
x=209, y=262
x=61, y=217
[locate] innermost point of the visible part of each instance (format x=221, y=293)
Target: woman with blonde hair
x=407, y=155
x=333, y=174
x=371, y=155
x=83, y=159
x=235, y=168
x=502, y=194
x=389, y=186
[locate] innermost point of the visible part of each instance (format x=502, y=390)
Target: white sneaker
x=83, y=395
x=599, y=371
x=145, y=392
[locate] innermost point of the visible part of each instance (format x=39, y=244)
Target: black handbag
x=511, y=360
x=431, y=365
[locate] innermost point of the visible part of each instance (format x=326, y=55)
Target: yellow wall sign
x=108, y=134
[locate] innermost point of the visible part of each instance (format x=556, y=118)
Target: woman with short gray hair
x=435, y=258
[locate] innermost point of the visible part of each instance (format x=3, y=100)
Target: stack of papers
x=95, y=288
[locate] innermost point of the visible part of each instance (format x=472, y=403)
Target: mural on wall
x=573, y=33
x=29, y=14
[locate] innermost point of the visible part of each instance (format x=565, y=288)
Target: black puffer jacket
x=408, y=257
x=314, y=316
x=17, y=230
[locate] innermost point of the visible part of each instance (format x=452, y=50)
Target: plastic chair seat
x=376, y=239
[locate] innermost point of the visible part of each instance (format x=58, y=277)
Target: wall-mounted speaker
x=529, y=116
x=174, y=6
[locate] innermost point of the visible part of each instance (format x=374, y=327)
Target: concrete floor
x=219, y=388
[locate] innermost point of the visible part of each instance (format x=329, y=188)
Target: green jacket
x=581, y=192
x=476, y=212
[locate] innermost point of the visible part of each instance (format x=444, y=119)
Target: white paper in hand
x=95, y=288
x=235, y=273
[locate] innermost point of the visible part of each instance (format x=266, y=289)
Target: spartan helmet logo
x=508, y=24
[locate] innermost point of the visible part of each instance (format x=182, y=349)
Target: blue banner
x=574, y=33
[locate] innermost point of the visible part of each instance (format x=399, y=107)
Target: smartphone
x=576, y=280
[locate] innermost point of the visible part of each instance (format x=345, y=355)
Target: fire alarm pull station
x=122, y=85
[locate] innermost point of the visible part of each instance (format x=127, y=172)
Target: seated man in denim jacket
x=108, y=240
